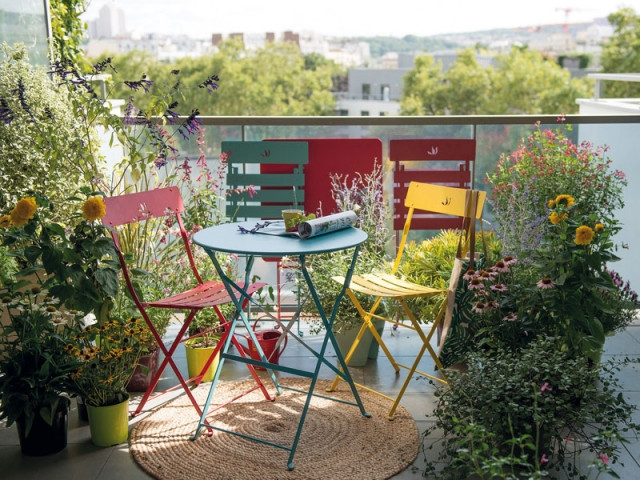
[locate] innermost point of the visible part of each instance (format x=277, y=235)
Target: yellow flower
x=565, y=200
x=5, y=221
x=599, y=227
x=555, y=218
x=551, y=203
x=94, y=209
x=23, y=211
x=584, y=235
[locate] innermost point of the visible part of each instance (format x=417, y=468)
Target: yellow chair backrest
x=441, y=199
x=429, y=197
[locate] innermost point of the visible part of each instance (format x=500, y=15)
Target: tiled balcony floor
x=82, y=460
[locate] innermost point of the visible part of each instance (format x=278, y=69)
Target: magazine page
x=309, y=228
x=330, y=223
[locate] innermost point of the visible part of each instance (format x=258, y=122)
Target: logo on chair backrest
x=266, y=153
x=447, y=201
x=433, y=151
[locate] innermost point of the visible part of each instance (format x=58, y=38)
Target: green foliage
x=524, y=414
x=620, y=54
x=8, y=266
x=522, y=82
x=44, y=145
x=67, y=30
x=274, y=80
x=430, y=263
x=107, y=354
x=78, y=261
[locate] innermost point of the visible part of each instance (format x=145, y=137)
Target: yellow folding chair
x=422, y=199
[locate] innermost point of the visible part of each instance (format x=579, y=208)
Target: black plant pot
x=83, y=416
x=45, y=439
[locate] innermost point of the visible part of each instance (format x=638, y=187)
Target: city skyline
x=201, y=18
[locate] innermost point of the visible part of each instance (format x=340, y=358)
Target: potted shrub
x=525, y=413
x=35, y=366
x=56, y=273
x=363, y=195
x=108, y=352
x=204, y=333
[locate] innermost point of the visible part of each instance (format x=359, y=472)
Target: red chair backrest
x=411, y=162
x=139, y=206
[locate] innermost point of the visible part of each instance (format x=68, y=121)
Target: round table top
x=228, y=238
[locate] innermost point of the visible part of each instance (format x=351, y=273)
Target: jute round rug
x=337, y=442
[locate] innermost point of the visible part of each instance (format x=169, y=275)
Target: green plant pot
x=375, y=346
x=197, y=358
x=361, y=355
x=109, y=425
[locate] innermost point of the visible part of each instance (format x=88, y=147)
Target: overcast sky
x=200, y=18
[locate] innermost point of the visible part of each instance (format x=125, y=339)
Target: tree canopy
x=274, y=80
x=621, y=54
x=522, y=81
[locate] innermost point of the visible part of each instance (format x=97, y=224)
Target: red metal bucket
x=267, y=340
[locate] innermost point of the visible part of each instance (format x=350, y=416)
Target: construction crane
x=567, y=11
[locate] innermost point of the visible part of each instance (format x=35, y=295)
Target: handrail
x=397, y=120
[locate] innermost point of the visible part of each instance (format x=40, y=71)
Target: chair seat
x=390, y=286
x=206, y=294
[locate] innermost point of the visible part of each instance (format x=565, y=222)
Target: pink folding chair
x=167, y=203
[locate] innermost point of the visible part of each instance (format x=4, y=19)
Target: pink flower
x=512, y=317
x=545, y=387
x=500, y=287
x=469, y=274
x=509, y=260
x=546, y=283
x=476, y=284
x=605, y=459
x=544, y=458
x=501, y=267
x=479, y=307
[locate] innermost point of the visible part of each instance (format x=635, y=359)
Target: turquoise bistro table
x=230, y=238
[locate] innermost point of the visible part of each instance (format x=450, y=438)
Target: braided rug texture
x=337, y=442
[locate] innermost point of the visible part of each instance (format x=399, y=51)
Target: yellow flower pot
x=109, y=425
x=197, y=357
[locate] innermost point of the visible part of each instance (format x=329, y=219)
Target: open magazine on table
x=311, y=228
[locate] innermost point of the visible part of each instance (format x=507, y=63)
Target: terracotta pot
x=140, y=380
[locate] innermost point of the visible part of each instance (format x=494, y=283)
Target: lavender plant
x=362, y=194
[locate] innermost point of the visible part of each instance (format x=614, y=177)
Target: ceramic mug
x=291, y=219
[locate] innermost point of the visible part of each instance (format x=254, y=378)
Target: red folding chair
x=167, y=203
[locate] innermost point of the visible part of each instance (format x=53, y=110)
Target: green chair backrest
x=255, y=163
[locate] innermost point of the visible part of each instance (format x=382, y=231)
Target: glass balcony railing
x=494, y=135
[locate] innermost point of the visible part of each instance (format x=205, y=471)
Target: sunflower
x=555, y=218
x=565, y=200
x=584, y=235
x=94, y=209
x=23, y=211
x=599, y=228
